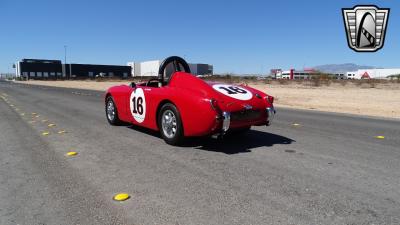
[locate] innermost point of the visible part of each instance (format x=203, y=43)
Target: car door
x=143, y=103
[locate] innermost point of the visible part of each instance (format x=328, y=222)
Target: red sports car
x=179, y=104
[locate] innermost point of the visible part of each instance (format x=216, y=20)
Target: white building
x=340, y=76
x=351, y=75
x=372, y=73
x=150, y=68
x=145, y=69
x=294, y=74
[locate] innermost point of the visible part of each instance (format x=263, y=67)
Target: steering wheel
x=176, y=60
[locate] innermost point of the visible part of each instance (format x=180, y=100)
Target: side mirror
x=132, y=85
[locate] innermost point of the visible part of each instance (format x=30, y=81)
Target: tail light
x=270, y=99
x=214, y=104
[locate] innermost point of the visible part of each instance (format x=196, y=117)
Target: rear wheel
x=170, y=124
x=111, y=112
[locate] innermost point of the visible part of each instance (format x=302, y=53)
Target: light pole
x=65, y=62
x=65, y=54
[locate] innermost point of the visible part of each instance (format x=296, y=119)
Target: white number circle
x=233, y=91
x=138, y=105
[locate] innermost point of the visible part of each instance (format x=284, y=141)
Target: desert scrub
x=283, y=81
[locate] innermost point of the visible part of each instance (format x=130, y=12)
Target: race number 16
x=232, y=90
x=137, y=105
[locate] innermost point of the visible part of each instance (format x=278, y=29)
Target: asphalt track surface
x=329, y=169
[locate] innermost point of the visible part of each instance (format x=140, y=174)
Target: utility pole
x=65, y=54
x=65, y=62
x=70, y=71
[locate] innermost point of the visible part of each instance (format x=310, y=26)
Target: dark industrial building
x=90, y=71
x=54, y=69
x=38, y=68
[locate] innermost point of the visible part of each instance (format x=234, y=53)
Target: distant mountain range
x=341, y=68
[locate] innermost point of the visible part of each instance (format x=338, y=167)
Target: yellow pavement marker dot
x=61, y=132
x=380, y=137
x=295, y=124
x=51, y=125
x=45, y=133
x=33, y=113
x=22, y=114
x=37, y=116
x=12, y=105
x=71, y=154
x=121, y=197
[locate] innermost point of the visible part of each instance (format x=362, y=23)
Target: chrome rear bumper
x=271, y=114
x=226, y=120
x=226, y=116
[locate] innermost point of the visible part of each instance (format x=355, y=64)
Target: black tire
x=167, y=111
x=112, y=118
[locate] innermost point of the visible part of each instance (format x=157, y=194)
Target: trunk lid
x=231, y=97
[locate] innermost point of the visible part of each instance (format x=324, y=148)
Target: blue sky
x=236, y=36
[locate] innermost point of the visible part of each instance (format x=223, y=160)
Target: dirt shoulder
x=83, y=84
x=381, y=100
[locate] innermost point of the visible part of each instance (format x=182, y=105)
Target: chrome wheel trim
x=168, y=123
x=110, y=110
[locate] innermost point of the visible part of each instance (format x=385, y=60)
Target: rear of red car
x=219, y=107
x=238, y=114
